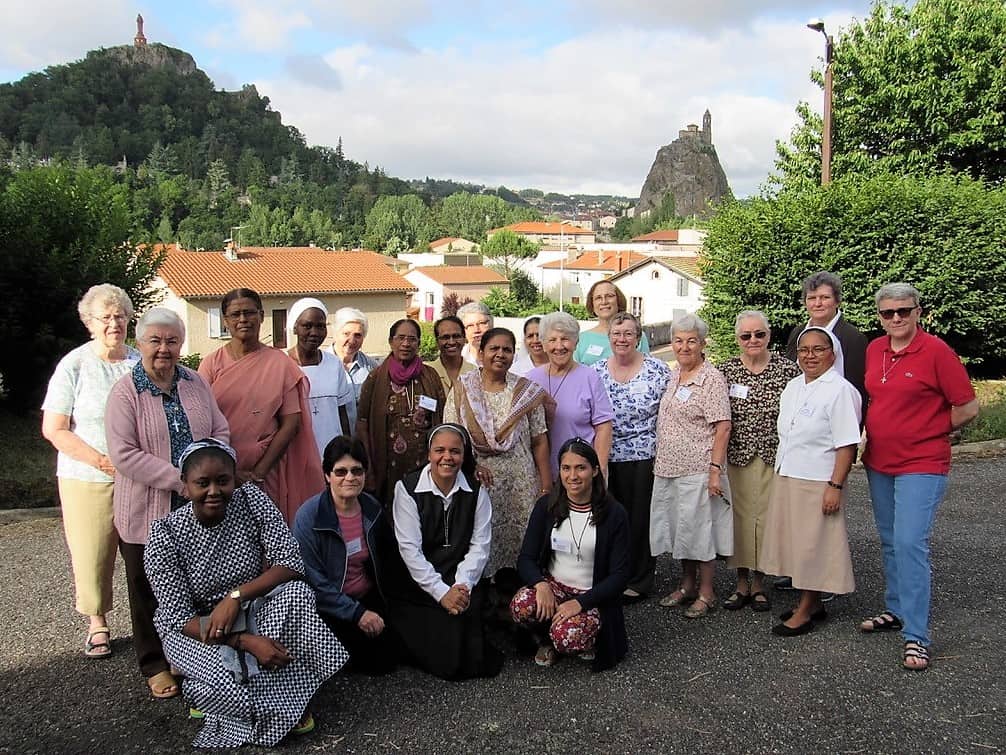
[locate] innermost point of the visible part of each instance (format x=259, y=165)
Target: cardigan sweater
x=140, y=448
x=611, y=573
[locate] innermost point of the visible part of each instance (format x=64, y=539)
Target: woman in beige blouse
x=690, y=509
x=757, y=378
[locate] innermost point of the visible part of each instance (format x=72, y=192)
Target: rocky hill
x=690, y=170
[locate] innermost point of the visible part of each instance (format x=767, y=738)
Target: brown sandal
x=163, y=686
x=94, y=649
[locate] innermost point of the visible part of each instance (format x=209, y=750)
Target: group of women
x=558, y=481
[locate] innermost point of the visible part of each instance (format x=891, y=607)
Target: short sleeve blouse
x=754, y=407
x=636, y=404
x=685, y=423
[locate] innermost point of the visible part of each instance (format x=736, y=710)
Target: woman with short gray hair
x=919, y=392
x=153, y=413
x=690, y=513
x=579, y=405
x=757, y=379
x=73, y=420
x=477, y=320
x=350, y=327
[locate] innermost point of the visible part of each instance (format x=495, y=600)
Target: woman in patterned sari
x=264, y=396
x=233, y=611
x=505, y=416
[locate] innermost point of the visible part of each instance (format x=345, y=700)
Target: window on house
x=575, y=277
x=279, y=328
x=636, y=306
x=574, y=300
x=682, y=287
x=215, y=323
x=429, y=299
x=655, y=275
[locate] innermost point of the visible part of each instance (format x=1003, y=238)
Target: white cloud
x=587, y=114
x=34, y=35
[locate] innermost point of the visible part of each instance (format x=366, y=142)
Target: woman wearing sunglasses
x=757, y=378
x=919, y=392
x=341, y=533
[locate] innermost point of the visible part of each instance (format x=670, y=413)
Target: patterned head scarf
x=198, y=445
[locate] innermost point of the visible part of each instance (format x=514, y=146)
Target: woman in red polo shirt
x=919, y=392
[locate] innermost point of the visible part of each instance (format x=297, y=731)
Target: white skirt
x=686, y=522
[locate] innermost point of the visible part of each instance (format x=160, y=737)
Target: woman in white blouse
x=443, y=525
x=805, y=534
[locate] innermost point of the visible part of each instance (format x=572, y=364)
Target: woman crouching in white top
x=805, y=534
x=575, y=564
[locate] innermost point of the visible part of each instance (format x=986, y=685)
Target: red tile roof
x=594, y=260
x=686, y=266
x=273, y=271
x=671, y=235
x=454, y=275
x=537, y=227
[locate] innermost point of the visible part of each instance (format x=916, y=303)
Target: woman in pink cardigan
x=152, y=414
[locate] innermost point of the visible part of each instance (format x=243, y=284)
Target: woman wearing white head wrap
x=331, y=391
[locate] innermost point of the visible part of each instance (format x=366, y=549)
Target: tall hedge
x=943, y=234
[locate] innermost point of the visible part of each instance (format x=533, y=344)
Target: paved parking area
x=723, y=684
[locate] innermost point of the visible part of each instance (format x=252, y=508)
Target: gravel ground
x=722, y=684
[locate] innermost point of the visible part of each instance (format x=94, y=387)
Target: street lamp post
x=829, y=43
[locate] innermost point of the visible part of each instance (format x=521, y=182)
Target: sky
x=561, y=95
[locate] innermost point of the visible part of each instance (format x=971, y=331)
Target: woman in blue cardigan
x=575, y=563
x=343, y=535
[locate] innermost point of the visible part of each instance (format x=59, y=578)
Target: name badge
x=739, y=391
x=806, y=411
x=430, y=404
x=595, y=350
x=354, y=546
x=638, y=389
x=682, y=394
x=561, y=544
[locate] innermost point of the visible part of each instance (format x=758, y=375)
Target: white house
x=659, y=288
x=433, y=284
x=569, y=280
x=678, y=242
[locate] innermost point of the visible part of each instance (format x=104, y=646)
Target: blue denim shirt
x=316, y=529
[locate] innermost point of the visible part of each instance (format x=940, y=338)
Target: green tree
x=404, y=218
x=507, y=247
x=61, y=231
x=943, y=234
x=918, y=88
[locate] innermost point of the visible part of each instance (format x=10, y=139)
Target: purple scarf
x=403, y=374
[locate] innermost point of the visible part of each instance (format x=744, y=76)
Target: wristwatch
x=236, y=594
x=834, y=485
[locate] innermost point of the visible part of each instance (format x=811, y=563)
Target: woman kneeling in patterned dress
x=575, y=563
x=232, y=613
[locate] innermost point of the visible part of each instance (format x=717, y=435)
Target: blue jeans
x=904, y=507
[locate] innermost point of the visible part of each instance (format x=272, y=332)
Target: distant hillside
x=121, y=102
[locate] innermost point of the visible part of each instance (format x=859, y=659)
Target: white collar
x=426, y=484
x=829, y=327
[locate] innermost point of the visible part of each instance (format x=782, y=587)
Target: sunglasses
x=343, y=471
x=901, y=312
x=759, y=334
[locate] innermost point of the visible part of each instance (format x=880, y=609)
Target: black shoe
x=783, y=583
x=827, y=597
x=819, y=615
x=781, y=630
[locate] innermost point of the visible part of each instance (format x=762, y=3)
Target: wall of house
x=429, y=289
x=381, y=309
x=661, y=300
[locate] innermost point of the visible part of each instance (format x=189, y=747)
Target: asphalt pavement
x=722, y=684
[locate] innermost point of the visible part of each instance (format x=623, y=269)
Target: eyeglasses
x=902, y=312
x=759, y=334
x=246, y=314
x=682, y=342
x=401, y=338
x=806, y=351
x=477, y=324
x=630, y=334
x=604, y=297
x=345, y=471
x=107, y=319
x=159, y=342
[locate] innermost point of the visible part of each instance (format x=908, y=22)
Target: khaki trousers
x=92, y=540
